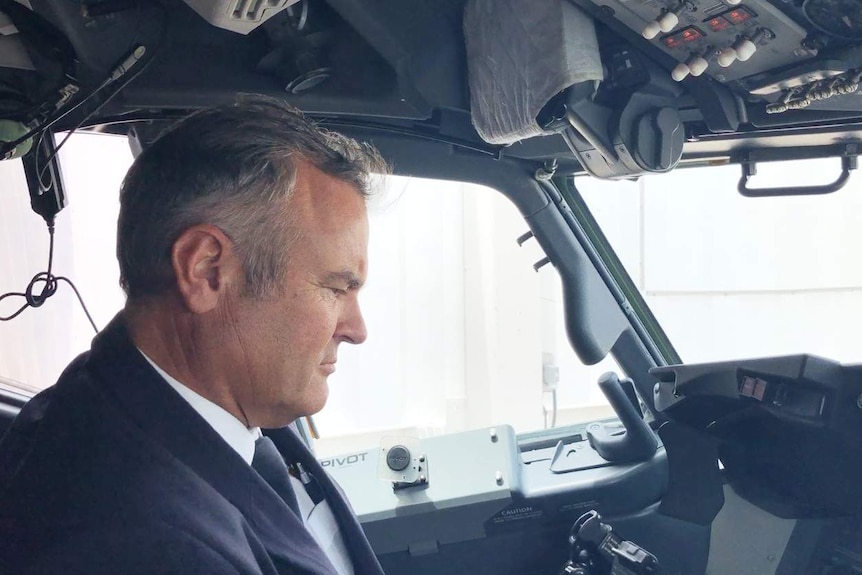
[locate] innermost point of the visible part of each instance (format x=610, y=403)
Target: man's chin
x=317, y=396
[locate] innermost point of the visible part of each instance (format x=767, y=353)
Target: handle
x=635, y=442
x=848, y=162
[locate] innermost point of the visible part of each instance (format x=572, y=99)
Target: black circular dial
x=839, y=18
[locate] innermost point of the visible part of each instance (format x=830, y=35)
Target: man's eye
x=338, y=291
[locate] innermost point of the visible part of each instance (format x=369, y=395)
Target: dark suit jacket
x=111, y=472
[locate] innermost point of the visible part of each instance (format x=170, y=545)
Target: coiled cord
x=49, y=283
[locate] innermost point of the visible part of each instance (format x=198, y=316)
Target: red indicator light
x=673, y=41
x=718, y=24
x=691, y=34
x=738, y=16
x=684, y=36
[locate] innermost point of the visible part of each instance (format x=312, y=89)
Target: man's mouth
x=328, y=367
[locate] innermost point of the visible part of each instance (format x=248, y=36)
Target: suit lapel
x=361, y=553
x=173, y=425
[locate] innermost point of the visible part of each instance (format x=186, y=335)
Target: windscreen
x=731, y=277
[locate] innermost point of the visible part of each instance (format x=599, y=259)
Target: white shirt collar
x=231, y=429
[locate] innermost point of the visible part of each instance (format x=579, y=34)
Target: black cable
x=118, y=72
x=134, y=56
x=49, y=280
x=9, y=146
x=90, y=114
x=41, y=172
x=49, y=287
x=80, y=300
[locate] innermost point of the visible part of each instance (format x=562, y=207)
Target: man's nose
x=352, y=326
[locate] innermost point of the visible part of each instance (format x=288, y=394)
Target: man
x=242, y=243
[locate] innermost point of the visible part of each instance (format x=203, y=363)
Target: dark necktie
x=270, y=465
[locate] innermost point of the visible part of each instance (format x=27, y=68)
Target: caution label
x=514, y=518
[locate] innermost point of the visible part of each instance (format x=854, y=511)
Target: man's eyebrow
x=345, y=277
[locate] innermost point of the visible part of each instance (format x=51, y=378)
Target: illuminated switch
x=682, y=37
x=739, y=15
x=719, y=23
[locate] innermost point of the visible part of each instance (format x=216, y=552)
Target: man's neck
x=239, y=437
x=172, y=338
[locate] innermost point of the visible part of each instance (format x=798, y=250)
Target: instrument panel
x=785, y=55
x=787, y=428
x=726, y=40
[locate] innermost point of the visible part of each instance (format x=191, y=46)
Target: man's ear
x=205, y=265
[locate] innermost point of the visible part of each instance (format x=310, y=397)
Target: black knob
x=398, y=458
x=659, y=136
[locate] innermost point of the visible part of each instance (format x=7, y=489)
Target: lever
x=635, y=442
x=695, y=66
x=746, y=47
x=667, y=20
x=727, y=56
x=743, y=48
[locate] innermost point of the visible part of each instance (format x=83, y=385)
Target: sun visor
x=520, y=53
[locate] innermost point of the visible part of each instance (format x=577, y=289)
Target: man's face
x=285, y=345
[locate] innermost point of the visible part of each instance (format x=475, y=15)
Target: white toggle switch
x=697, y=65
x=745, y=49
x=726, y=57
x=680, y=72
x=651, y=30
x=668, y=21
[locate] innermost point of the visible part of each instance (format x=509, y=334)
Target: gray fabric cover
x=520, y=53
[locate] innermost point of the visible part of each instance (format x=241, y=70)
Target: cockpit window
x=729, y=276
x=38, y=344
x=463, y=332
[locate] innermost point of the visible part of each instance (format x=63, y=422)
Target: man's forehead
x=318, y=191
x=336, y=212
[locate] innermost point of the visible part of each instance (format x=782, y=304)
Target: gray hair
x=232, y=166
